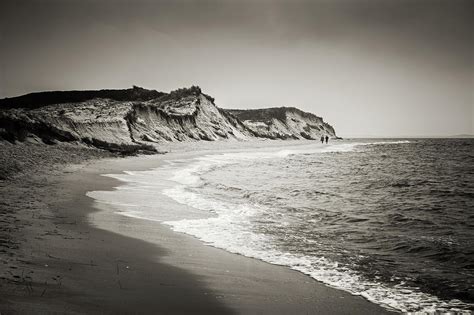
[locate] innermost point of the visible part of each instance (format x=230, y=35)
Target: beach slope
x=59, y=261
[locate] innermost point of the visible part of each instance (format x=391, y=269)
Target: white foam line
x=230, y=226
x=231, y=230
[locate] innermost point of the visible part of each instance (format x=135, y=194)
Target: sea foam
x=229, y=225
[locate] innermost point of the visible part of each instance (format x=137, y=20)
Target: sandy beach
x=236, y=157
x=59, y=261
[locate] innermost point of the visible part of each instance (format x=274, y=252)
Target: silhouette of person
x=327, y=139
x=322, y=139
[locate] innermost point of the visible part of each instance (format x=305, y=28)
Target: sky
x=382, y=68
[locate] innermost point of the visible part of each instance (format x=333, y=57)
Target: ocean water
x=390, y=220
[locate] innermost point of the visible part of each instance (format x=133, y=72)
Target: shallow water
x=386, y=219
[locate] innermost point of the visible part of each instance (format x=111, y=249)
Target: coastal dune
x=137, y=120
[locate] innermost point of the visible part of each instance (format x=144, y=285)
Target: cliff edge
x=283, y=123
x=135, y=120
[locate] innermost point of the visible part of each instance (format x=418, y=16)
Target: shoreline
x=67, y=265
x=80, y=268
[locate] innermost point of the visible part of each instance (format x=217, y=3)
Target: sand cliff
x=138, y=120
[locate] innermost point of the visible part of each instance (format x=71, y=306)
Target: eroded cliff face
x=192, y=117
x=137, y=119
x=284, y=123
x=98, y=122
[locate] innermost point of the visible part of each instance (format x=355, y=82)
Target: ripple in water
x=390, y=220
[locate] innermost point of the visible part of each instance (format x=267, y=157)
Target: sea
x=391, y=220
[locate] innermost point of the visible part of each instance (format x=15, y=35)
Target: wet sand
x=64, y=263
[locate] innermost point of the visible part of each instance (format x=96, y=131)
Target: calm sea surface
x=390, y=220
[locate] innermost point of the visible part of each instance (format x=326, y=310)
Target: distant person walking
x=327, y=139
x=322, y=139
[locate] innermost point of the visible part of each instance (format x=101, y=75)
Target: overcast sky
x=370, y=68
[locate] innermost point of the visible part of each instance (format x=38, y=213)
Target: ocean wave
x=231, y=228
x=229, y=223
x=230, y=231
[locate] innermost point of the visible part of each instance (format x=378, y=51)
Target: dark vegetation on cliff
x=267, y=114
x=39, y=99
x=137, y=120
x=283, y=123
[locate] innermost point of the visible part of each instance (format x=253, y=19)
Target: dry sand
x=57, y=261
